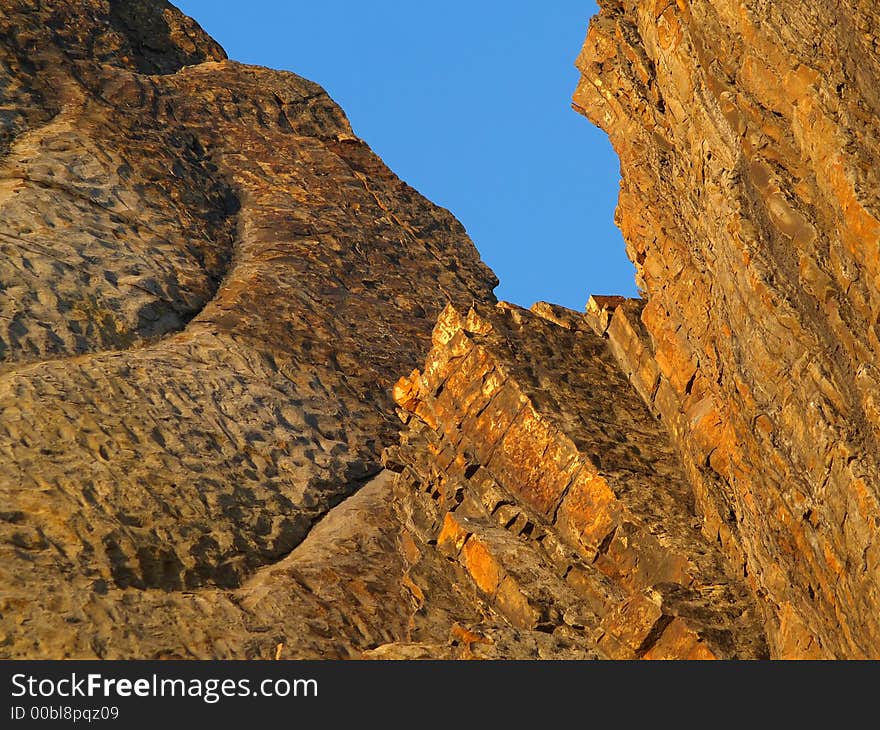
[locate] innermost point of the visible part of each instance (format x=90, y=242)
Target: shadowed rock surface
x=208, y=285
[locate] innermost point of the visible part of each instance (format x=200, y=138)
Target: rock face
x=541, y=474
x=750, y=203
x=210, y=287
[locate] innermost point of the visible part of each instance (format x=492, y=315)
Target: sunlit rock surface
x=750, y=204
x=257, y=399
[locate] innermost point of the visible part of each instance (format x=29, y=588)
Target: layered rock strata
x=538, y=471
x=209, y=286
x=750, y=203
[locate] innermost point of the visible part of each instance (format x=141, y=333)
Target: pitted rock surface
x=210, y=289
x=208, y=285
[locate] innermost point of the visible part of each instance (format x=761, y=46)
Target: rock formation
x=210, y=289
x=535, y=466
x=750, y=203
x=208, y=286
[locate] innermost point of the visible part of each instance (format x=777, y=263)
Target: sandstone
x=207, y=292
x=581, y=481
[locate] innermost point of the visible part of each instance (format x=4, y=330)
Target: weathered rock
x=208, y=285
x=750, y=203
x=538, y=470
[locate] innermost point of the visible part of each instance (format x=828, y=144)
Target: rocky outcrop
x=749, y=203
x=208, y=286
x=538, y=471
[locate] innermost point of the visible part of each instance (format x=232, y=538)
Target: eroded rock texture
x=208, y=285
x=537, y=469
x=748, y=137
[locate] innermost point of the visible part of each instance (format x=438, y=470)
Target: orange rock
x=679, y=641
x=588, y=512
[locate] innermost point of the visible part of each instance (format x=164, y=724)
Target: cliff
x=210, y=289
x=747, y=138
x=208, y=286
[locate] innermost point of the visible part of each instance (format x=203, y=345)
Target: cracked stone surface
x=536, y=468
x=750, y=204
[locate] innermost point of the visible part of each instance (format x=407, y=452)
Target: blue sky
x=469, y=102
